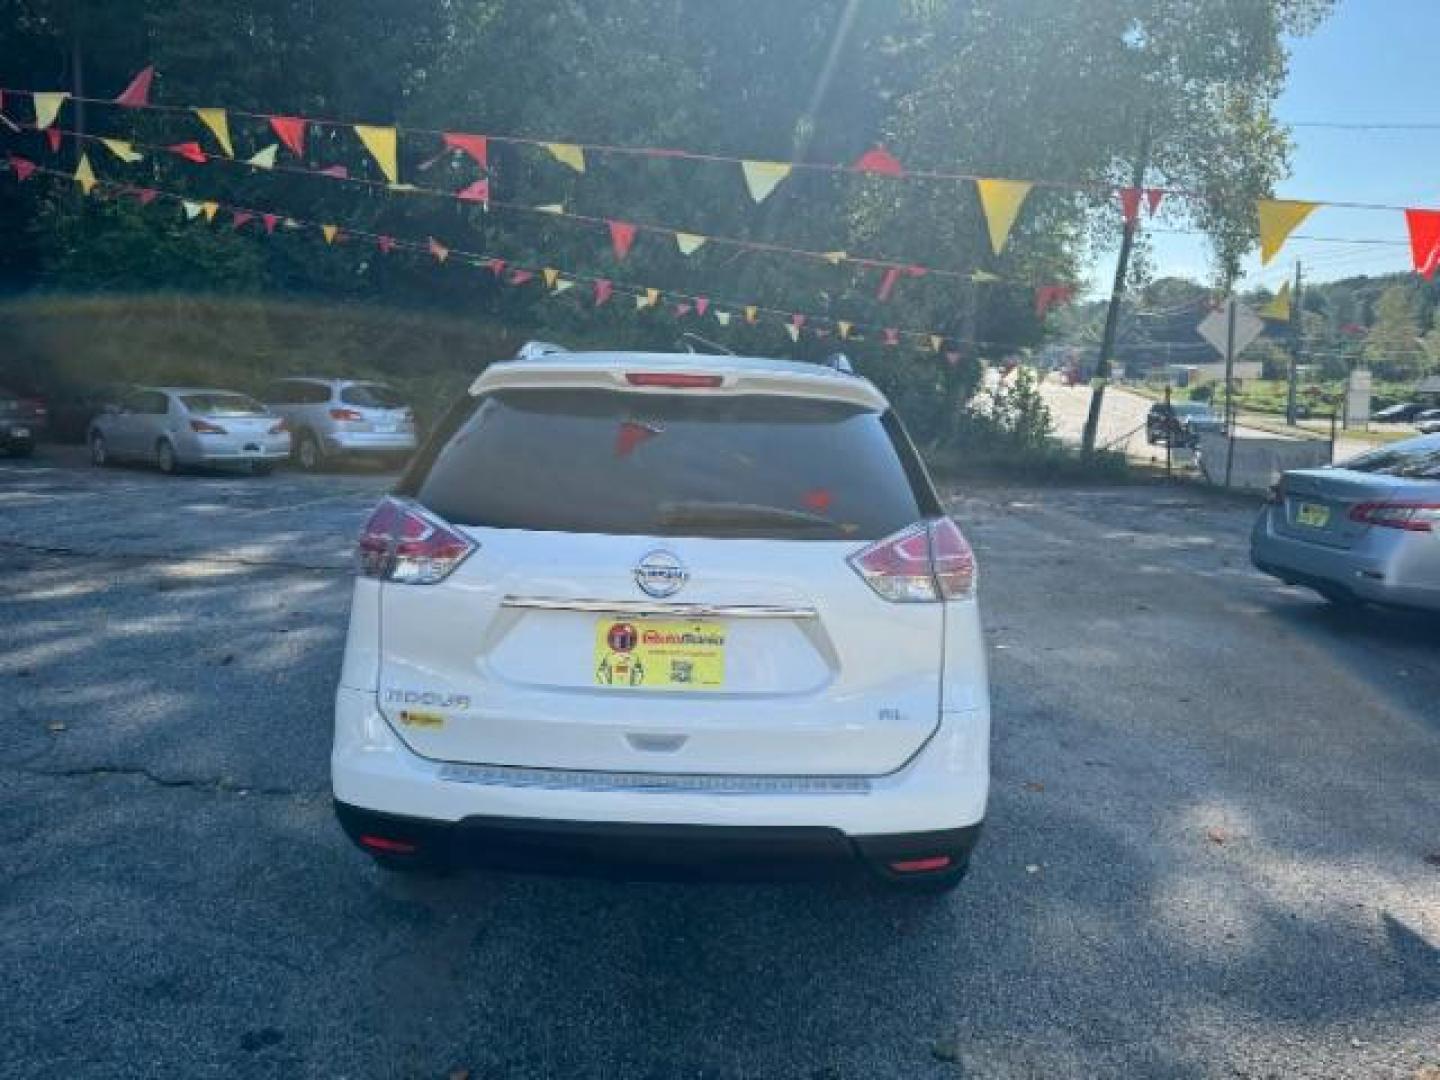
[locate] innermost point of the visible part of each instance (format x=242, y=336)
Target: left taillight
x=405, y=543
x=925, y=562
x=279, y=427
x=205, y=427
x=1412, y=517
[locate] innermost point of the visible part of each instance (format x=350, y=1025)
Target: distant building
x=1428, y=387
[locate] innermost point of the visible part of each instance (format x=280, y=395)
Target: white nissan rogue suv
x=665, y=614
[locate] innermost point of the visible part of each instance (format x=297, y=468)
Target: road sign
x=1248, y=326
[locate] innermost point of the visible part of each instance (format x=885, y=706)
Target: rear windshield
x=1417, y=461
x=371, y=396
x=223, y=404
x=672, y=465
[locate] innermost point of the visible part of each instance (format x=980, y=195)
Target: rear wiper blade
x=727, y=513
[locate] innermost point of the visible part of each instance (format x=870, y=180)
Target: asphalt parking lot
x=1213, y=845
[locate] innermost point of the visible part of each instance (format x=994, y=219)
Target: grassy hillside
x=56, y=345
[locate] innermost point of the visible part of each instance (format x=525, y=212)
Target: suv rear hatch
x=659, y=583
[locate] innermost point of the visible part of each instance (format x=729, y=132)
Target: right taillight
x=403, y=542
x=1412, y=517
x=926, y=562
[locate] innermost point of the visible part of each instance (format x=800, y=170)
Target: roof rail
x=534, y=350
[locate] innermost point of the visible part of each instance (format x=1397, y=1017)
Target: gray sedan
x=1365, y=530
x=175, y=427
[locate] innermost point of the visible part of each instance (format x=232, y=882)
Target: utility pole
x=1229, y=385
x=1117, y=294
x=1297, y=330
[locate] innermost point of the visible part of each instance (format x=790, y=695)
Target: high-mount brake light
x=205, y=427
x=405, y=543
x=1410, y=516
x=673, y=380
x=922, y=563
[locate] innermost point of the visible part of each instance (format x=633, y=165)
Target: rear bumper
x=198, y=450
x=369, y=442
x=631, y=850
x=1386, y=566
x=943, y=789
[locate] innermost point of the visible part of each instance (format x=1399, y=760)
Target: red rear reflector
x=384, y=843
x=920, y=866
x=204, y=427
x=675, y=380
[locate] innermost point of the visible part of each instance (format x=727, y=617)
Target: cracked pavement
x=1213, y=845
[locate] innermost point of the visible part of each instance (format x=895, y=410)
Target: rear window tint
x=222, y=405
x=368, y=396
x=673, y=465
x=1416, y=461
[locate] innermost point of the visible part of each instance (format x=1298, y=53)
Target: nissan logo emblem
x=660, y=574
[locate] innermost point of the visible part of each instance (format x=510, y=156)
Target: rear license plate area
x=1312, y=515
x=659, y=654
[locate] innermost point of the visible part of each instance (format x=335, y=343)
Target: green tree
x=1392, y=347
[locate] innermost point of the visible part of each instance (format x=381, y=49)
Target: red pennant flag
x=631, y=434
x=439, y=250
x=622, y=235
x=887, y=284
x=240, y=218
x=1424, y=228
x=145, y=196
x=702, y=305
x=603, y=290
x=22, y=167
x=386, y=244
x=1047, y=296
x=474, y=145
x=1152, y=199
x=892, y=336
x=337, y=172
x=52, y=136
x=1130, y=204
x=682, y=310
x=479, y=192
x=190, y=151
x=137, y=94
x=270, y=221
x=495, y=266
x=798, y=321
x=291, y=130
x=520, y=277
x=879, y=160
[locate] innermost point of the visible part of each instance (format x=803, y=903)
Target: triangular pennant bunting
x=762, y=176
x=750, y=313
x=551, y=276
x=386, y=244
x=381, y=142
x=568, y=154
x=935, y=342
x=239, y=218
x=23, y=167
x=85, y=175
x=52, y=140
x=723, y=318
x=887, y=284
x=1152, y=199
x=564, y=285
x=210, y=208
x=47, y=107
x=495, y=266
x=702, y=305
x=835, y=258
x=1279, y=307
x=520, y=277
x=479, y=192
x=291, y=130
x=335, y=172
x=603, y=289
x=1000, y=200
x=622, y=235
x=474, y=145
x=1130, y=204
x=652, y=298
x=688, y=243
x=843, y=328
x=145, y=196
x=879, y=160
x=122, y=150
x=892, y=336
x=681, y=310
x=439, y=250
x=1278, y=219
x=1424, y=226
x=190, y=151
x=264, y=159
x=1047, y=296
x=219, y=124
x=793, y=331
x=270, y=221
x=137, y=94
x=330, y=232
x=192, y=209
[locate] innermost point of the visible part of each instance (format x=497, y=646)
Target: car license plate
x=385, y=429
x=659, y=654
x=1313, y=515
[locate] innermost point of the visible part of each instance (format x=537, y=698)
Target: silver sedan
x=175, y=427
x=1367, y=529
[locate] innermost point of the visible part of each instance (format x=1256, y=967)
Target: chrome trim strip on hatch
x=652, y=607
x=651, y=783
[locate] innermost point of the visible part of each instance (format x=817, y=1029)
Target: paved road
x=1210, y=853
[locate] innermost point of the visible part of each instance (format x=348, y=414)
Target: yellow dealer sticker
x=657, y=654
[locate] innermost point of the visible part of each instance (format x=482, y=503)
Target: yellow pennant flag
x=650, y=299
x=1279, y=307
x=264, y=159
x=123, y=150
x=1001, y=200
x=750, y=312
x=380, y=141
x=689, y=243
x=723, y=318
x=762, y=176
x=551, y=275
x=219, y=125
x=563, y=284
x=568, y=154
x=210, y=208
x=84, y=175
x=47, y=107
x=192, y=209
x=329, y=231
x=844, y=328
x=1278, y=219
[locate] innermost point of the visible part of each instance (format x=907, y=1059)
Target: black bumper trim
x=649, y=852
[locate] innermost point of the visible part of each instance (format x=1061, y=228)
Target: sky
x=1373, y=61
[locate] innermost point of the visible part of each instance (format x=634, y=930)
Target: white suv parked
x=333, y=418
x=664, y=613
